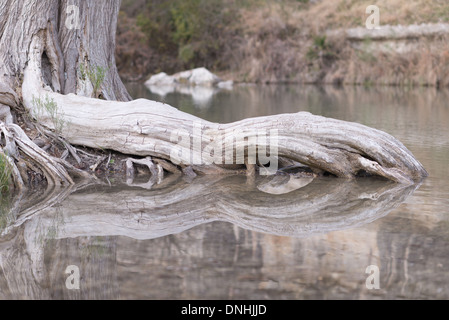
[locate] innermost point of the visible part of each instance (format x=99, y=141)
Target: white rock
x=200, y=83
x=194, y=77
x=203, y=77
x=160, y=79
x=183, y=76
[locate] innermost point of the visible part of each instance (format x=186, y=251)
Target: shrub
x=49, y=106
x=194, y=32
x=96, y=75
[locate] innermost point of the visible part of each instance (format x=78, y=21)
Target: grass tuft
x=96, y=75
x=5, y=174
x=49, y=106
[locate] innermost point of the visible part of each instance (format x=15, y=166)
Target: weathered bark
x=69, y=41
x=75, y=35
x=42, y=61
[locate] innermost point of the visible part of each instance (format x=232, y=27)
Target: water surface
x=229, y=237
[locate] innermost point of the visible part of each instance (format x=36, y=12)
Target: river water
x=231, y=238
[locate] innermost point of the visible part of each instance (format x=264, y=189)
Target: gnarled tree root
x=146, y=128
x=41, y=58
x=23, y=154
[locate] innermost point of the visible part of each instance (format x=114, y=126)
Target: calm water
x=230, y=238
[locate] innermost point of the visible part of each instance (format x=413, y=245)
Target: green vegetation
x=49, y=106
x=96, y=75
x=5, y=212
x=320, y=49
x=274, y=40
x=319, y=44
x=5, y=174
x=95, y=248
x=175, y=35
x=5, y=197
x=195, y=31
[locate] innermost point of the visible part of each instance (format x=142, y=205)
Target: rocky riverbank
x=307, y=42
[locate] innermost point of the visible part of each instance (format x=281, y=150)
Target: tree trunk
x=73, y=33
x=55, y=54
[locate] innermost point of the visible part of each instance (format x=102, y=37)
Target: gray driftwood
x=44, y=48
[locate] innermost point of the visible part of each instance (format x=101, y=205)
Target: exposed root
x=75, y=171
x=156, y=170
x=99, y=161
x=144, y=128
x=17, y=142
x=87, y=154
x=15, y=173
x=53, y=171
x=69, y=148
x=168, y=166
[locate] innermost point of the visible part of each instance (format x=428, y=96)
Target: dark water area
x=230, y=238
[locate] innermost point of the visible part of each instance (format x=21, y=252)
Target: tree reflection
x=169, y=210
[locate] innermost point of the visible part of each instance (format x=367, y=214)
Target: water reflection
x=318, y=245
x=201, y=96
x=93, y=220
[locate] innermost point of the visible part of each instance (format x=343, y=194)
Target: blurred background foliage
x=178, y=34
x=276, y=41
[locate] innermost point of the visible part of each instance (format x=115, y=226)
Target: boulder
x=161, y=79
x=200, y=83
x=203, y=77
x=194, y=77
